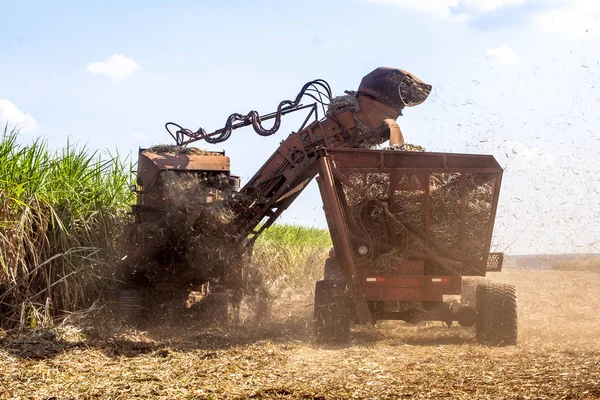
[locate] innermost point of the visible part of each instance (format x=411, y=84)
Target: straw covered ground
x=558, y=355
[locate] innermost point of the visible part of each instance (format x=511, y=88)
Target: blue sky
x=515, y=78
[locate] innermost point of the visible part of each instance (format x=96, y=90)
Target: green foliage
x=61, y=215
x=287, y=260
x=59, y=211
x=292, y=255
x=295, y=235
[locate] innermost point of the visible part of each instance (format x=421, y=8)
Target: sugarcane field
x=352, y=199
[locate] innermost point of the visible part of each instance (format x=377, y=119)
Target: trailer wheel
x=218, y=308
x=133, y=308
x=469, y=289
x=497, y=314
x=332, y=313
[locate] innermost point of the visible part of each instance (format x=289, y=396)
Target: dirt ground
x=558, y=356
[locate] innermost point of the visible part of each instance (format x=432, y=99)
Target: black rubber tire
x=218, y=308
x=332, y=315
x=133, y=308
x=496, y=314
x=469, y=289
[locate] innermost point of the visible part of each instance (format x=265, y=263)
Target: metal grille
x=495, y=261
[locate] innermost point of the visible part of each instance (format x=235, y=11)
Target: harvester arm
x=294, y=164
x=359, y=119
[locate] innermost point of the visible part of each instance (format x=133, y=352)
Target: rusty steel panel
x=339, y=235
x=396, y=136
x=398, y=183
x=389, y=159
x=415, y=281
x=410, y=267
x=147, y=171
x=188, y=162
x=406, y=294
x=406, y=89
x=152, y=165
x=411, y=288
x=377, y=293
x=404, y=268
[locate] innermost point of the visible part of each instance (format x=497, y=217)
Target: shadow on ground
x=119, y=341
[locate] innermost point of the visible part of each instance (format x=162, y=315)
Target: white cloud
x=483, y=6
x=561, y=17
x=439, y=7
x=502, y=55
x=115, y=66
x=140, y=136
x=463, y=9
x=10, y=113
x=574, y=18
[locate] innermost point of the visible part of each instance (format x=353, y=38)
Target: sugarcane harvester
x=392, y=257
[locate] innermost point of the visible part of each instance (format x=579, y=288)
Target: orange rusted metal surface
x=339, y=234
x=431, y=265
x=188, y=162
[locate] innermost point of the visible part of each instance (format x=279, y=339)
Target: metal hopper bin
x=406, y=227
